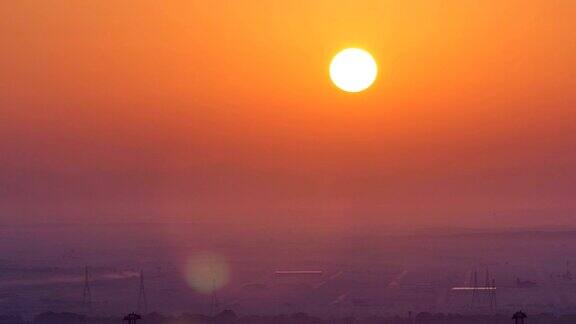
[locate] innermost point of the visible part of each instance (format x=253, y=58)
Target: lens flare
x=207, y=272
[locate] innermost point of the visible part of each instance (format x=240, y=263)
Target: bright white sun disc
x=353, y=70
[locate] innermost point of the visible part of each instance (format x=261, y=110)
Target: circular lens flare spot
x=207, y=272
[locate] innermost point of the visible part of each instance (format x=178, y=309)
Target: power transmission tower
x=142, y=302
x=475, y=287
x=493, y=304
x=214, y=299
x=87, y=295
x=488, y=288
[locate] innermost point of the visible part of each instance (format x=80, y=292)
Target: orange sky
x=186, y=110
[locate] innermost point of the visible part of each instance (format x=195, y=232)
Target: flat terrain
x=378, y=272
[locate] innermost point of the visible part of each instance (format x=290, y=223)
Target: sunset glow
x=172, y=109
x=297, y=162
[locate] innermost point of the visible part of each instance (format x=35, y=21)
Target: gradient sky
x=142, y=110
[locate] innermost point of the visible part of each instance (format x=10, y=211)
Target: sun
x=353, y=70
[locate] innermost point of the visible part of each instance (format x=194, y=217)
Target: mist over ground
x=207, y=268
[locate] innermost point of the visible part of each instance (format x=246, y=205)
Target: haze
x=186, y=111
